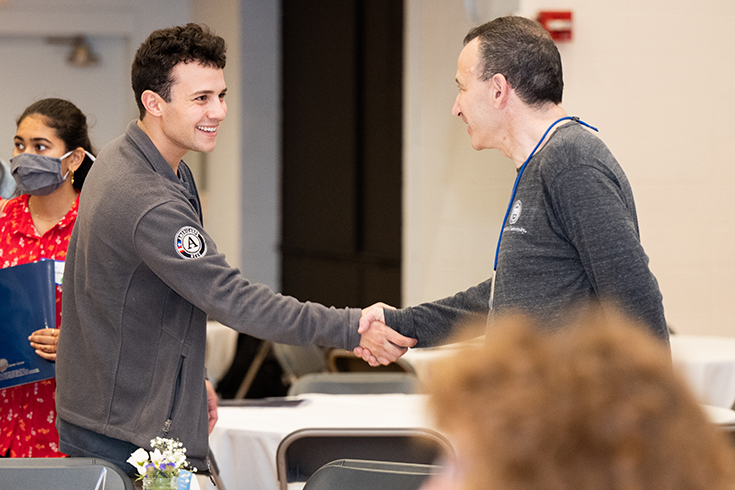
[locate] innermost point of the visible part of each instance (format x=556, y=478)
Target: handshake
x=380, y=344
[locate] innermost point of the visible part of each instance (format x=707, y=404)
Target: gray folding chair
x=370, y=475
x=344, y=361
x=303, y=452
x=296, y=360
x=355, y=383
x=62, y=474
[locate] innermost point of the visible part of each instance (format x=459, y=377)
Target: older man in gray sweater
x=570, y=239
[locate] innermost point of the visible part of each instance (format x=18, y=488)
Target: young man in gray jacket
x=142, y=274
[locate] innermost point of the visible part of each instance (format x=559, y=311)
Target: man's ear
x=152, y=103
x=499, y=90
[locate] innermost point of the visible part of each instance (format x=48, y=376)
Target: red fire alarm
x=558, y=23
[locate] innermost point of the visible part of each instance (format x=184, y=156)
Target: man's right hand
x=380, y=344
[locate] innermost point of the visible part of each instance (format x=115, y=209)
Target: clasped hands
x=380, y=344
x=45, y=342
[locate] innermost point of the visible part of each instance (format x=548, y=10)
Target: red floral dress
x=28, y=412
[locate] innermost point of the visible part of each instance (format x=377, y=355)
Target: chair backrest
x=370, y=475
x=355, y=383
x=304, y=451
x=62, y=474
x=296, y=361
x=343, y=361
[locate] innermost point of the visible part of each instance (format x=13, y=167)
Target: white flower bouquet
x=167, y=461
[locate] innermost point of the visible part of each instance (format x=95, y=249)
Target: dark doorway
x=342, y=142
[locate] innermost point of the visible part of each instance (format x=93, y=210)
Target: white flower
x=167, y=458
x=176, y=458
x=156, y=457
x=139, y=459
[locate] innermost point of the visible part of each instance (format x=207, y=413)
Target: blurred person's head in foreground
x=595, y=406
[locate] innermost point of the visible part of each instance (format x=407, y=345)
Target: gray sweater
x=571, y=241
x=141, y=277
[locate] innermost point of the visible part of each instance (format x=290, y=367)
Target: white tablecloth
x=707, y=362
x=221, y=347
x=422, y=359
x=720, y=416
x=245, y=439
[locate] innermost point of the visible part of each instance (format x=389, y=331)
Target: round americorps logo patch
x=515, y=212
x=190, y=243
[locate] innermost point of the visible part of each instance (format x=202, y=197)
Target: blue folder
x=27, y=304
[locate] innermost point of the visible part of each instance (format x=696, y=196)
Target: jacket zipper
x=177, y=388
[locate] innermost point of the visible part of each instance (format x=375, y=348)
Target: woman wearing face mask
x=50, y=162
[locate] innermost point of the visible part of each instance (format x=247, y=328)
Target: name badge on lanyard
x=513, y=195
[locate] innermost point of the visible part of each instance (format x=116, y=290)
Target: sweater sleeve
x=203, y=277
x=437, y=322
x=602, y=227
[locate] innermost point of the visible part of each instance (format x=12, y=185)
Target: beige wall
x=655, y=78
x=453, y=195
x=35, y=68
x=219, y=171
x=241, y=177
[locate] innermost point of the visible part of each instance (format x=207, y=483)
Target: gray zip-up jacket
x=141, y=277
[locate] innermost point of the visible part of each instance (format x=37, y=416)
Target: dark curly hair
x=70, y=125
x=524, y=53
x=166, y=48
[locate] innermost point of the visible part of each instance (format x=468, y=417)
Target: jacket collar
x=185, y=180
x=143, y=143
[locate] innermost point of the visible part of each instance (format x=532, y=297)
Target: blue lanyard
x=520, y=172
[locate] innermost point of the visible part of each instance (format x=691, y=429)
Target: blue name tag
x=185, y=479
x=59, y=271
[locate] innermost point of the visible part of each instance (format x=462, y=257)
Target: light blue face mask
x=38, y=175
